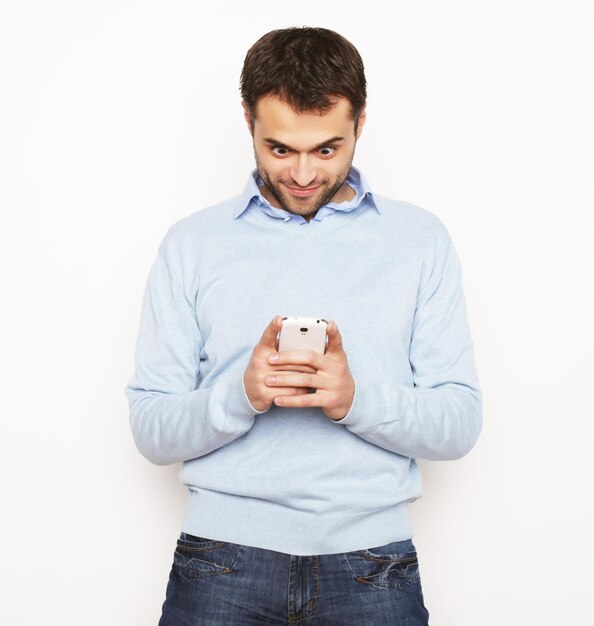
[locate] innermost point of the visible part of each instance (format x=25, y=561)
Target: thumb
x=268, y=339
x=334, y=338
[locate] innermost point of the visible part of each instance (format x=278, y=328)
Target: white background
x=119, y=117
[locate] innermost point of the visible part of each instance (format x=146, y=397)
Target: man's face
x=304, y=158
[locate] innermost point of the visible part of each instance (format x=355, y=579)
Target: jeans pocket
x=393, y=565
x=200, y=557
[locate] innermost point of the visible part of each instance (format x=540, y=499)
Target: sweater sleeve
x=440, y=417
x=172, y=417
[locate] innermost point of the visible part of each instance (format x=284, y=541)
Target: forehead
x=275, y=118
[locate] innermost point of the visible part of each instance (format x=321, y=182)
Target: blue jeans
x=229, y=584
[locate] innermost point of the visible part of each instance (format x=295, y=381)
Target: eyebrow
x=273, y=142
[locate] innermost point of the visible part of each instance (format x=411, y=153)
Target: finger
x=334, y=338
x=279, y=369
x=298, y=357
x=294, y=380
x=268, y=339
x=290, y=391
x=304, y=400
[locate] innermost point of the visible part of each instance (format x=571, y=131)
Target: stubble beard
x=306, y=207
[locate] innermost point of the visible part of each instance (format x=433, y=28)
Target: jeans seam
x=312, y=605
x=369, y=557
x=215, y=546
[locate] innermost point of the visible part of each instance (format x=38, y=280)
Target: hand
x=333, y=383
x=259, y=394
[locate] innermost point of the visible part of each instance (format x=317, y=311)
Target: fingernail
x=273, y=357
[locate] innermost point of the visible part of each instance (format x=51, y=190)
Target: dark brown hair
x=305, y=67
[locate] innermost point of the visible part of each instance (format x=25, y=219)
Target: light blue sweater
x=293, y=480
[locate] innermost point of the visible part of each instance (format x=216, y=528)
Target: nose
x=303, y=171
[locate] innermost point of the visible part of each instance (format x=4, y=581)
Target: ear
x=247, y=118
x=361, y=123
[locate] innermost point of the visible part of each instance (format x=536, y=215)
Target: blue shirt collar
x=355, y=179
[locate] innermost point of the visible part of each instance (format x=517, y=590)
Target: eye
x=327, y=151
x=280, y=151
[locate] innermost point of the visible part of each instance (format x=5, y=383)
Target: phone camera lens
x=303, y=330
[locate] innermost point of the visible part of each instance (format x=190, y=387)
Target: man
x=297, y=505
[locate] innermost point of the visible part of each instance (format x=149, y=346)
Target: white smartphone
x=303, y=333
